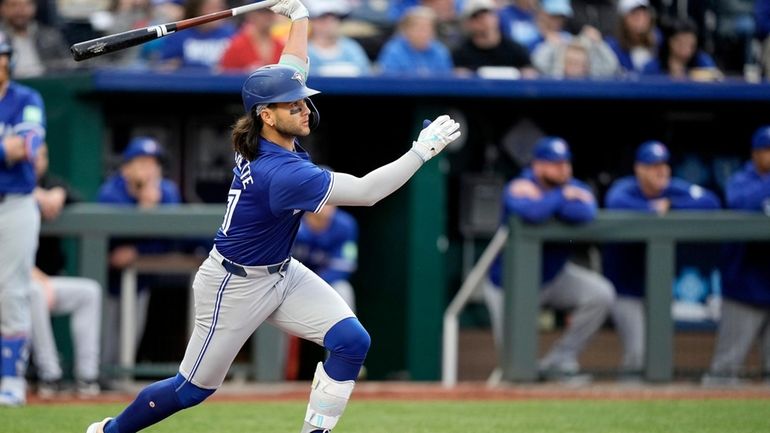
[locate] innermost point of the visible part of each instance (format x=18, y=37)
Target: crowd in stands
x=491, y=38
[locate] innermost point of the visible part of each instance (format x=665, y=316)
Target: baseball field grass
x=546, y=416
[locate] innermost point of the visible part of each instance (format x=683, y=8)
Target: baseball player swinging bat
x=108, y=44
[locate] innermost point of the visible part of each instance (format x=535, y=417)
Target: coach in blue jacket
x=544, y=191
x=652, y=190
x=745, y=311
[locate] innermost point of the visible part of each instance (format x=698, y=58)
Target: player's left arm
x=350, y=190
x=579, y=205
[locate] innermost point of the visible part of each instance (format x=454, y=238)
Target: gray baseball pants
x=586, y=293
x=628, y=315
x=739, y=325
x=81, y=298
x=229, y=308
x=19, y=231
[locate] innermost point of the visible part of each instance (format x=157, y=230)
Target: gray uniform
x=82, y=299
x=229, y=308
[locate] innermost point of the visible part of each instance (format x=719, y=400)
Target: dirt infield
x=466, y=391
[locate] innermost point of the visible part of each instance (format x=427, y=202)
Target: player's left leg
x=589, y=295
x=311, y=309
x=82, y=298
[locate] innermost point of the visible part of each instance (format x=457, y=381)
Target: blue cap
x=552, y=149
x=652, y=152
x=142, y=146
x=557, y=7
x=761, y=138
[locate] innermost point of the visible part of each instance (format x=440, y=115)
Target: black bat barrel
x=119, y=41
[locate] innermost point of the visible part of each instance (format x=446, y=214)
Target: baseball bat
x=111, y=43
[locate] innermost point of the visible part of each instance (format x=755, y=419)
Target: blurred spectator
x=734, y=33
x=762, y=24
x=448, y=29
x=518, y=22
x=544, y=191
x=637, y=40
x=601, y=14
x=38, y=49
x=552, y=22
x=679, y=55
x=200, y=47
x=327, y=244
x=330, y=52
x=57, y=295
x=745, y=311
x=254, y=46
x=485, y=46
x=139, y=183
x=650, y=190
x=583, y=56
x=123, y=15
x=414, y=48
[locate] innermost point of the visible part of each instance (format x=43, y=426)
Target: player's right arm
x=295, y=51
x=350, y=190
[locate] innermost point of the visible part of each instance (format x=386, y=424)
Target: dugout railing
x=522, y=258
x=93, y=225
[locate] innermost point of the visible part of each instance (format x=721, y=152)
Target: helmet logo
x=297, y=76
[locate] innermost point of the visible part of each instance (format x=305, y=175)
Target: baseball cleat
x=98, y=427
x=9, y=399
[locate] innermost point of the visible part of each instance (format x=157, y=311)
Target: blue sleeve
x=652, y=68
x=690, y=196
x=31, y=118
x=299, y=185
x=762, y=18
x=577, y=211
x=745, y=193
x=111, y=194
x=534, y=211
x=703, y=60
x=2, y=152
x=621, y=196
x=170, y=193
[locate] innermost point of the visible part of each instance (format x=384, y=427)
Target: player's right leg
x=628, y=315
x=228, y=309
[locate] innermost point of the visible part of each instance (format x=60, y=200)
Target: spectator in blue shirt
x=680, y=57
x=637, y=40
x=745, y=314
x=518, y=22
x=547, y=190
x=650, y=190
x=199, y=47
x=330, y=52
x=414, y=50
x=139, y=183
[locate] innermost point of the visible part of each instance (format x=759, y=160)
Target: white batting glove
x=293, y=9
x=435, y=136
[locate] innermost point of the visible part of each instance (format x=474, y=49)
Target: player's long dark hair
x=246, y=135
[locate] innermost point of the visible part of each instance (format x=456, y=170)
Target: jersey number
x=232, y=200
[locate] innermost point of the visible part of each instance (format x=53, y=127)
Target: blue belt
x=241, y=272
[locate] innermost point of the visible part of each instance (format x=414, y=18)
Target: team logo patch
x=297, y=76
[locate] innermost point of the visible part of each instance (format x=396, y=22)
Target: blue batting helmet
x=652, y=152
x=761, y=138
x=278, y=83
x=553, y=149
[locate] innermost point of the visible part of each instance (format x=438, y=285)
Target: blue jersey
x=624, y=264
x=115, y=191
x=21, y=113
x=331, y=253
x=746, y=276
x=197, y=48
x=534, y=211
x=267, y=199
